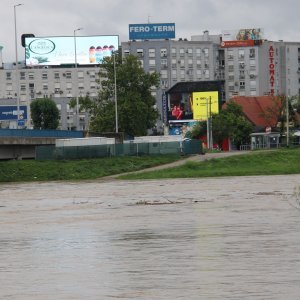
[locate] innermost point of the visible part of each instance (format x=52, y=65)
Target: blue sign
x=21, y=123
x=10, y=113
x=151, y=31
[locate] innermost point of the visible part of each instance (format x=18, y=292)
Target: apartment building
x=59, y=83
x=182, y=60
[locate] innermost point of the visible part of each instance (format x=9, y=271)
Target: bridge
x=22, y=143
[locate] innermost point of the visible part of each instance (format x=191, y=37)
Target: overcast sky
x=279, y=19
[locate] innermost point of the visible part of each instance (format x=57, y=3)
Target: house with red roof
x=262, y=111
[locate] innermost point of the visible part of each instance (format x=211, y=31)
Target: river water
x=221, y=238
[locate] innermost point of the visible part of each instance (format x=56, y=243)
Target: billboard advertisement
x=55, y=51
x=151, y=31
x=10, y=113
x=242, y=37
x=204, y=104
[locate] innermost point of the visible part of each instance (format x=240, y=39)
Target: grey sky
x=279, y=19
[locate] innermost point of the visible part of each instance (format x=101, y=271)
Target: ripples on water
x=229, y=238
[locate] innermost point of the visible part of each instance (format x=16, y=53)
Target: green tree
x=135, y=104
x=231, y=123
x=44, y=114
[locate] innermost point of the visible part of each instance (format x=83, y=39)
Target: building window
x=252, y=63
x=181, y=51
x=242, y=74
x=69, y=85
x=163, y=52
x=164, y=84
x=80, y=74
x=252, y=84
x=190, y=51
x=126, y=52
x=181, y=63
x=56, y=75
x=242, y=85
x=241, y=65
x=230, y=54
x=68, y=75
x=206, y=52
x=22, y=76
x=151, y=62
x=164, y=74
x=252, y=53
x=45, y=86
x=164, y=63
x=140, y=52
x=8, y=75
x=151, y=52
x=31, y=76
x=182, y=74
x=173, y=51
x=190, y=63
x=198, y=63
x=174, y=74
x=9, y=87
x=206, y=64
x=199, y=74
x=174, y=63
x=206, y=74
x=23, y=87
x=241, y=54
x=198, y=52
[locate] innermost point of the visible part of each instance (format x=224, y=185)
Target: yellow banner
x=204, y=104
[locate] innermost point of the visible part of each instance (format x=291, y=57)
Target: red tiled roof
x=261, y=111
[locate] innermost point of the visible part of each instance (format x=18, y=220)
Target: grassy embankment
x=31, y=170
x=283, y=161
x=275, y=162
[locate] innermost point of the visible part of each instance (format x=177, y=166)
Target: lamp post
x=287, y=122
x=76, y=69
x=208, y=124
x=17, y=69
x=116, y=101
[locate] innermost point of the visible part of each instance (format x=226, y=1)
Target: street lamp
x=17, y=71
x=76, y=69
x=208, y=124
x=116, y=102
x=287, y=122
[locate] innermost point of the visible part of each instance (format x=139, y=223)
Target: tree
x=44, y=114
x=135, y=104
x=231, y=123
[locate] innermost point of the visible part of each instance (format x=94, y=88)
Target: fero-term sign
x=151, y=31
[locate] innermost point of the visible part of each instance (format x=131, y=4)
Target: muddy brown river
x=225, y=238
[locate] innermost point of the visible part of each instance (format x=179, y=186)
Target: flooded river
x=224, y=238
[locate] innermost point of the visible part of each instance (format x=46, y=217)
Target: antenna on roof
x=149, y=19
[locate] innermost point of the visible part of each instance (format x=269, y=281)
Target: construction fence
x=52, y=152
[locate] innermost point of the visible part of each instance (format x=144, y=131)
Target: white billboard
x=54, y=51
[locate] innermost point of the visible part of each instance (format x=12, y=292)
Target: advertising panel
x=55, y=51
x=204, y=104
x=151, y=31
x=242, y=37
x=10, y=113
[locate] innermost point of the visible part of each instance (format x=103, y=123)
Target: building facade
x=264, y=68
x=59, y=84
